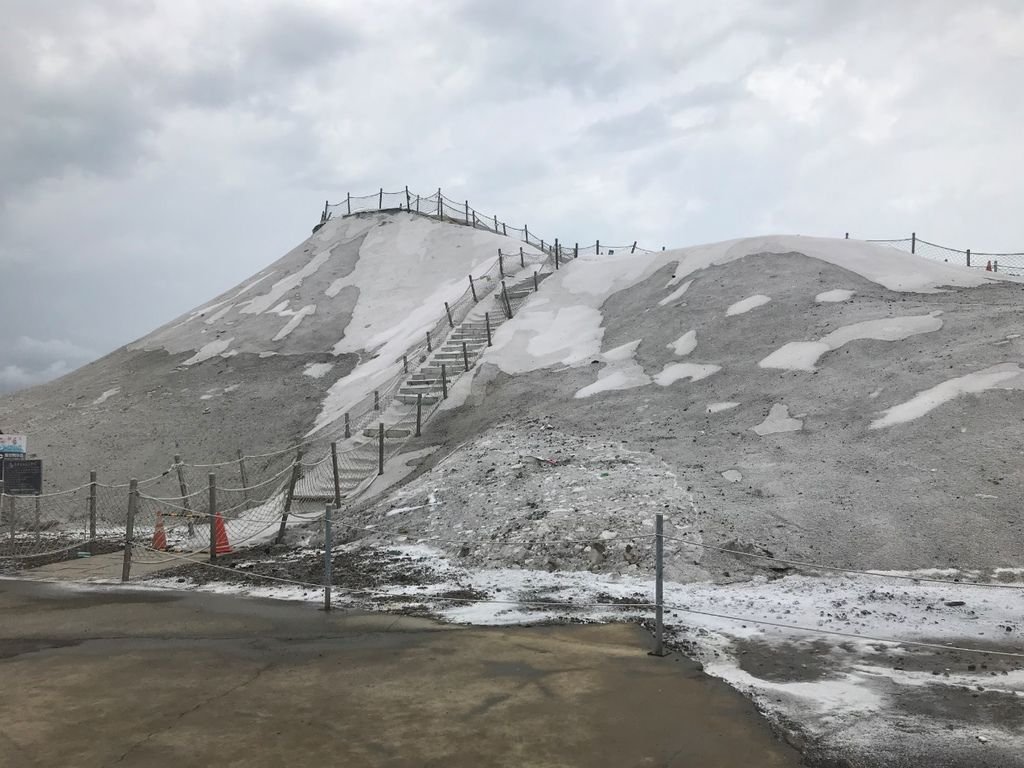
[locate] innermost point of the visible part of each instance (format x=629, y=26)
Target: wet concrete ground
x=141, y=678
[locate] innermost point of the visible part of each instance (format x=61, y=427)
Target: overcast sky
x=153, y=154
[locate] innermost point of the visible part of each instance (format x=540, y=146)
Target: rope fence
x=1006, y=263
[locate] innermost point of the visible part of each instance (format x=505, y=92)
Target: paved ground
x=138, y=678
x=103, y=567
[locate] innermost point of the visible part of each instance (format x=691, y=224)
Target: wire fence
x=1006, y=263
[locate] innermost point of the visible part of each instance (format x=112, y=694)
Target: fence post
x=995, y=265
x=526, y=234
x=129, y=529
x=913, y=242
x=536, y=285
x=448, y=311
x=968, y=257
x=501, y=264
x=508, y=304
x=847, y=236
x=12, y=510
x=576, y=251
x=659, y=602
x=211, y=514
x=380, y=200
x=522, y=258
x=405, y=364
x=296, y=468
x=417, y=203
x=467, y=211
x=380, y=449
x=419, y=413
x=323, y=216
x=348, y=427
x=465, y=356
x=183, y=487
x=487, y=324
x=337, y=479
x=495, y=224
x=542, y=244
x=633, y=249
x=440, y=204
x=408, y=205
x=376, y=400
x=556, y=259
x=38, y=517
x=598, y=247
x=348, y=202
x=328, y=556
x=444, y=382
x=504, y=231
x=92, y=512
x=429, y=348
x=472, y=288
x=245, y=480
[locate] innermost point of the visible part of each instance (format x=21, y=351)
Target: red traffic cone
x=159, y=534
x=220, y=535
x=988, y=267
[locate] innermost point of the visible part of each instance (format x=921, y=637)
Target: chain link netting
x=1006, y=263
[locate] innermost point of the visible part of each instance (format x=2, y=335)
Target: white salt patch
x=317, y=370
x=732, y=475
x=219, y=314
x=1004, y=376
x=263, y=302
x=685, y=344
x=673, y=372
x=804, y=355
x=778, y=420
x=293, y=323
x=231, y=388
x=623, y=352
x=264, y=355
x=335, y=288
x=621, y=371
x=747, y=304
x=676, y=293
x=106, y=396
x=839, y=294
x=207, y=351
x=716, y=407
x=252, y=284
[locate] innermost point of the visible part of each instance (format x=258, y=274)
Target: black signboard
x=22, y=476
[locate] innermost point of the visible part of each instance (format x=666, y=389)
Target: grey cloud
x=28, y=361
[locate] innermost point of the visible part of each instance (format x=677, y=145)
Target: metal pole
x=183, y=487
x=129, y=530
x=380, y=448
x=296, y=468
x=501, y=264
x=487, y=324
x=465, y=356
x=522, y=258
x=472, y=288
x=211, y=514
x=440, y=204
x=508, y=304
x=348, y=202
x=380, y=200
x=328, y=552
x=38, y=517
x=576, y=251
x=633, y=249
x=659, y=602
x=847, y=236
x=376, y=400
x=504, y=231
x=536, y=285
x=598, y=247
x=419, y=412
x=11, y=514
x=245, y=480
x=968, y=257
x=337, y=480
x=448, y=311
x=429, y=349
x=467, y=211
x=348, y=427
x=408, y=205
x=444, y=381
x=92, y=512
x=405, y=364
x=913, y=242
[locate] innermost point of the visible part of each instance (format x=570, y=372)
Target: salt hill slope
x=832, y=400
x=259, y=366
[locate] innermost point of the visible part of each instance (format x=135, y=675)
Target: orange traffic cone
x=220, y=535
x=988, y=267
x=159, y=534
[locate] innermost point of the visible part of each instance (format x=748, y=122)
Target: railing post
x=408, y=205
x=522, y=258
x=129, y=530
x=467, y=211
x=448, y=311
x=472, y=288
x=419, y=413
x=487, y=324
x=183, y=487
x=323, y=216
x=495, y=224
x=429, y=348
x=508, y=304
x=847, y=236
x=405, y=364
x=444, y=382
x=633, y=249
x=337, y=479
x=536, y=285
x=376, y=400
x=348, y=427
x=968, y=257
x=504, y=231
x=245, y=480
x=501, y=264
x=417, y=203
x=211, y=514
x=576, y=251
x=465, y=356
x=348, y=202
x=380, y=449
x=913, y=242
x=995, y=265
x=296, y=469
x=328, y=556
x=92, y=512
x=659, y=601
x=597, y=246
x=556, y=259
x=440, y=204
x=526, y=234
x=380, y=200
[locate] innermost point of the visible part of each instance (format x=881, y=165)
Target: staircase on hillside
x=422, y=390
